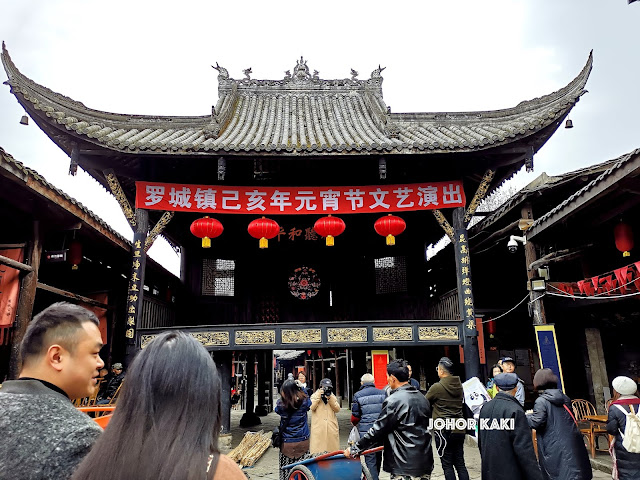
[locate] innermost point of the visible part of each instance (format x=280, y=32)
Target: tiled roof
x=296, y=115
x=8, y=162
x=616, y=165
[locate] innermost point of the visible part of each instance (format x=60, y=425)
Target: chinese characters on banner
x=467, y=312
x=135, y=293
x=299, y=200
x=9, y=292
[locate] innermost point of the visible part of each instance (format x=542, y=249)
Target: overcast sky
x=154, y=57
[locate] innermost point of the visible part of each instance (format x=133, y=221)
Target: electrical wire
x=511, y=310
x=565, y=295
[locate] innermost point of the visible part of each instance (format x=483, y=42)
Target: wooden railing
x=157, y=314
x=446, y=307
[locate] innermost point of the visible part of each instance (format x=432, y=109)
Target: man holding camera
x=324, y=423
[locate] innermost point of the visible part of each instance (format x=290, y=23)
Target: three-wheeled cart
x=331, y=466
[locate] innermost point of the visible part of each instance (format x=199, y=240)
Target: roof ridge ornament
x=247, y=73
x=301, y=71
x=223, y=73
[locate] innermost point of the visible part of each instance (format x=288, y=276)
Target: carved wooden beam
x=444, y=224
x=157, y=229
x=481, y=192
x=117, y=191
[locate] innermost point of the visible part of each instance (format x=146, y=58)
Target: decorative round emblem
x=304, y=283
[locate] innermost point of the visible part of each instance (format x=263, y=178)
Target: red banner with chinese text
x=299, y=200
x=9, y=287
x=379, y=361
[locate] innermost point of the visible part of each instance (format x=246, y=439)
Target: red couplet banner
x=379, y=361
x=299, y=200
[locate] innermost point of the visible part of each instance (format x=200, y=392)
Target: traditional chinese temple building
x=304, y=151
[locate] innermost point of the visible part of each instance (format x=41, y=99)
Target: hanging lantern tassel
x=206, y=228
x=263, y=229
x=389, y=227
x=329, y=227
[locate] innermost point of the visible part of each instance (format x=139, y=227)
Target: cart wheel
x=301, y=473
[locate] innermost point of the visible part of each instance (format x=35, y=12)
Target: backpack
x=631, y=436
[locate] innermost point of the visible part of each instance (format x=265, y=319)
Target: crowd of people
x=167, y=422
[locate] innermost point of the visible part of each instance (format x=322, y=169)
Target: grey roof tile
x=301, y=113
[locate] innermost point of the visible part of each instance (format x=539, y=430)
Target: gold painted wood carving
x=145, y=339
x=209, y=339
x=444, y=224
x=335, y=335
x=157, y=229
x=256, y=337
x=438, y=333
x=481, y=192
x=307, y=335
x=117, y=192
x=392, y=334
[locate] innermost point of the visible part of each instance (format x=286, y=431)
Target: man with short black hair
x=44, y=435
x=402, y=427
x=504, y=436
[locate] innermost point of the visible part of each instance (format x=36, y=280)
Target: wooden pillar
x=28, y=286
x=337, y=370
x=313, y=363
x=135, y=294
x=599, y=378
x=535, y=298
x=465, y=295
x=250, y=418
x=264, y=382
x=223, y=363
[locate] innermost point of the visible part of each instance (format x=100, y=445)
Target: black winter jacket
x=628, y=463
x=367, y=405
x=561, y=451
x=297, y=430
x=506, y=454
x=402, y=427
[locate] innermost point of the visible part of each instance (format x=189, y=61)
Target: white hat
x=624, y=385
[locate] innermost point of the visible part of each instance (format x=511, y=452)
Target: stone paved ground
x=267, y=466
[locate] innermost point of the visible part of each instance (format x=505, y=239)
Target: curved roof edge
x=290, y=123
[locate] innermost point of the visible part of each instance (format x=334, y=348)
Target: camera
x=512, y=244
x=327, y=391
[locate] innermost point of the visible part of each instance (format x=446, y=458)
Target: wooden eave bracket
x=157, y=229
x=116, y=190
x=479, y=196
x=444, y=224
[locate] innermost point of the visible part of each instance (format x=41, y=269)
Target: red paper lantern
x=329, y=227
x=264, y=229
x=390, y=226
x=624, y=238
x=206, y=228
x=75, y=254
x=491, y=328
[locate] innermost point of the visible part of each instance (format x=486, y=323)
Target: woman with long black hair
x=167, y=421
x=294, y=426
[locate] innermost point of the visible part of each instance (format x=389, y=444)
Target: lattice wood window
x=218, y=277
x=391, y=275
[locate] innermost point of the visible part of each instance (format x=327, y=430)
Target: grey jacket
x=43, y=435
